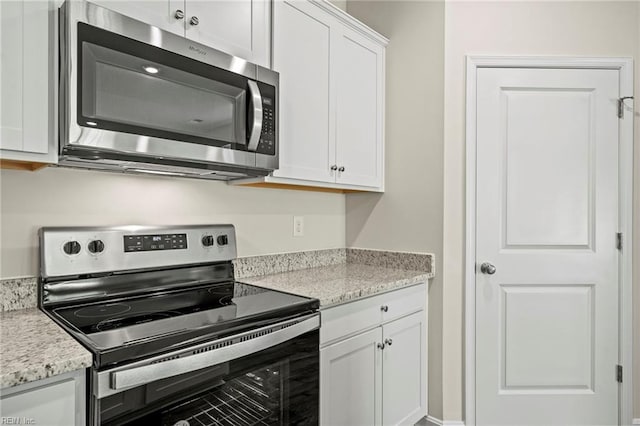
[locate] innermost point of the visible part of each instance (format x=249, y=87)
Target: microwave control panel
x=267, y=144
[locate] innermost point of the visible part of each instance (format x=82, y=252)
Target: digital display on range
x=155, y=242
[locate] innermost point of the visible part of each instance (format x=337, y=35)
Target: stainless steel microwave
x=135, y=98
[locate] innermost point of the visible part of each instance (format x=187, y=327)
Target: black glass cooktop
x=104, y=316
x=130, y=328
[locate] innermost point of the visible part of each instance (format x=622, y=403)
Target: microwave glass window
x=132, y=94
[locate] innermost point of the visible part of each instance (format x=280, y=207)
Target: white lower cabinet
x=403, y=368
x=351, y=381
x=377, y=374
x=56, y=401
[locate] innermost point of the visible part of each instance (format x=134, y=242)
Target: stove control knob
x=71, y=247
x=207, y=240
x=223, y=240
x=96, y=246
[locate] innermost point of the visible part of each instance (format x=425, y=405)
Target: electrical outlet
x=298, y=226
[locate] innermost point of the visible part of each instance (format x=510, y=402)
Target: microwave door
x=146, y=100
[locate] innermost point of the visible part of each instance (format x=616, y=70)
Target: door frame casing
x=625, y=175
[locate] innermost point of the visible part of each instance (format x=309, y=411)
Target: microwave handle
x=256, y=104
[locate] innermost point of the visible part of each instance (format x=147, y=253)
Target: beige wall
x=63, y=197
x=342, y=4
x=509, y=28
x=408, y=216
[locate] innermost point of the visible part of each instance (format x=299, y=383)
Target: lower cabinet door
x=350, y=381
x=50, y=405
x=404, y=373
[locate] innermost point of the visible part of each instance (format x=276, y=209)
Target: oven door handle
x=256, y=128
x=137, y=376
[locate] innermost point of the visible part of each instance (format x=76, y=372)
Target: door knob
x=384, y=308
x=380, y=346
x=388, y=342
x=487, y=268
x=334, y=168
x=194, y=21
x=341, y=169
x=179, y=14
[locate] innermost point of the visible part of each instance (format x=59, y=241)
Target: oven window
x=276, y=386
x=256, y=398
x=132, y=87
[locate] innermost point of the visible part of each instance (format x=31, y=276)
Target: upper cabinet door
x=238, y=27
x=163, y=14
x=301, y=54
x=26, y=81
x=359, y=109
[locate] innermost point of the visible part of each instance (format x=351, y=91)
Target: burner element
x=102, y=310
x=137, y=318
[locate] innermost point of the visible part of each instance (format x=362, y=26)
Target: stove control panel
x=92, y=250
x=155, y=242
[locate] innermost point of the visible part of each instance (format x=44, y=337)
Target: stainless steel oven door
x=265, y=376
x=131, y=88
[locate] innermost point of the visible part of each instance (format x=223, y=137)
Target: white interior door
x=547, y=218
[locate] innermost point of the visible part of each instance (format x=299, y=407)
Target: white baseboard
x=634, y=421
x=432, y=421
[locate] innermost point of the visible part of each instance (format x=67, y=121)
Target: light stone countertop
x=340, y=283
x=33, y=347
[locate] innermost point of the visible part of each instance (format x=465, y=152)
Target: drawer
x=350, y=318
x=403, y=302
x=347, y=319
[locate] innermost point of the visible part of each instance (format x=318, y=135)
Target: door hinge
x=619, y=240
x=621, y=105
x=619, y=373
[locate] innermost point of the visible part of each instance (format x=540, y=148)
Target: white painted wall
x=605, y=28
x=408, y=216
x=64, y=197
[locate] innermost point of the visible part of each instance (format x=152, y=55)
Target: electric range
x=176, y=340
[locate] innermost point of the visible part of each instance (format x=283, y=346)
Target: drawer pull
x=384, y=308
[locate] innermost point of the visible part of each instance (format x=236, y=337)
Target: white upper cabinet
x=27, y=76
x=302, y=56
x=240, y=28
x=164, y=14
x=359, y=109
x=331, y=98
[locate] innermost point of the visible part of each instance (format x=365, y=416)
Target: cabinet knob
x=384, y=308
x=388, y=342
x=334, y=168
x=380, y=346
x=194, y=21
x=179, y=14
x=341, y=169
